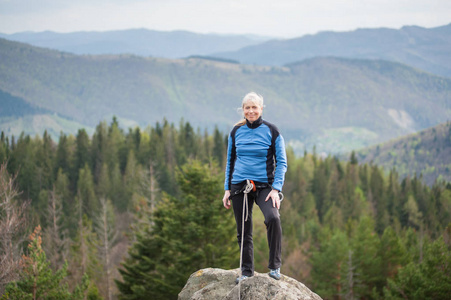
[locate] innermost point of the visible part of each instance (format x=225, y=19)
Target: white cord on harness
x=247, y=190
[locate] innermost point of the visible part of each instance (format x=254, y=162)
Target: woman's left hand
x=274, y=195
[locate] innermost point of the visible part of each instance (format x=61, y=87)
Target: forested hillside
x=19, y=116
x=427, y=153
x=14, y=107
x=336, y=104
x=423, y=48
x=135, y=212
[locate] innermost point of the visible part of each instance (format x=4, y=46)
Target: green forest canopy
x=349, y=229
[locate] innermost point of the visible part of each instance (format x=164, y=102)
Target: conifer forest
x=132, y=213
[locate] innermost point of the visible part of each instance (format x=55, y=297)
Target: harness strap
x=250, y=186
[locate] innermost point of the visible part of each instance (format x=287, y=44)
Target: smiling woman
x=255, y=172
x=252, y=107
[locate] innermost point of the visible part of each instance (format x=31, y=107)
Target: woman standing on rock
x=255, y=172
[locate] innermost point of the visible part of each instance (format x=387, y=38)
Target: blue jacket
x=257, y=152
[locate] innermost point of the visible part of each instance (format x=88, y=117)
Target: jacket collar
x=257, y=123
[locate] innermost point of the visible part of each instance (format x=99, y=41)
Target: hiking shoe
x=274, y=273
x=241, y=278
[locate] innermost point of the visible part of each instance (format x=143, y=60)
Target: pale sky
x=275, y=18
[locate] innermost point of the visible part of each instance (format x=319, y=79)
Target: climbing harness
x=257, y=185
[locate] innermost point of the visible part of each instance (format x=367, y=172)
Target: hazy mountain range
x=336, y=104
x=423, y=48
x=142, y=42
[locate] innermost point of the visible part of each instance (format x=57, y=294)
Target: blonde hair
x=250, y=97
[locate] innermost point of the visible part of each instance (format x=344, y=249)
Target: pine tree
x=81, y=156
x=185, y=143
x=406, y=192
x=365, y=245
x=414, y=217
x=429, y=279
x=99, y=148
x=350, y=204
x=329, y=264
x=169, y=142
x=420, y=192
x=393, y=197
x=84, y=254
x=439, y=209
x=189, y=233
x=117, y=192
x=44, y=162
x=319, y=189
x=115, y=144
x=131, y=179
x=219, y=147
x=38, y=281
x=379, y=200
x=364, y=178
x=86, y=193
x=144, y=147
x=62, y=191
x=393, y=256
x=23, y=159
x=103, y=183
x=158, y=156
x=63, y=155
x=4, y=147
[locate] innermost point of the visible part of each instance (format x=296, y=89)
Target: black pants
x=272, y=222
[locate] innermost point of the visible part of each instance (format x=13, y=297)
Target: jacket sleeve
x=231, y=153
x=281, y=163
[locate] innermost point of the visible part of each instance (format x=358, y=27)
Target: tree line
x=130, y=214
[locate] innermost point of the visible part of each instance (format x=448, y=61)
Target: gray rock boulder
x=220, y=284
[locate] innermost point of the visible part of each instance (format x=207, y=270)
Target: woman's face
x=252, y=111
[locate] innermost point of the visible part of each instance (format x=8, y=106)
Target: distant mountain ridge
x=334, y=103
x=427, y=49
x=11, y=106
x=422, y=48
x=426, y=154
x=142, y=42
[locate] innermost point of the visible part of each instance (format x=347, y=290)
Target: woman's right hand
x=226, y=200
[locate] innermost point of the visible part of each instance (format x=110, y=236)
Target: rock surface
x=220, y=284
